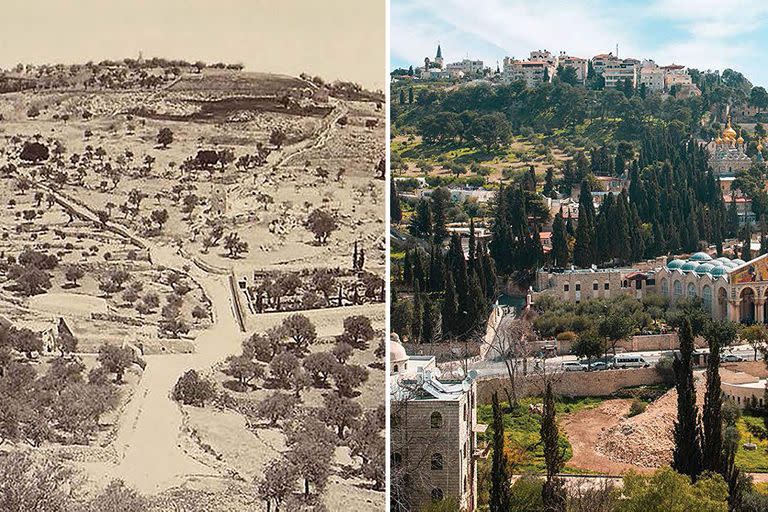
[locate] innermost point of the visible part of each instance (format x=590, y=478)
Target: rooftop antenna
x=617, y=50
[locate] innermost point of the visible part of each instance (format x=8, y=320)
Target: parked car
x=731, y=358
x=630, y=361
x=573, y=366
x=598, y=365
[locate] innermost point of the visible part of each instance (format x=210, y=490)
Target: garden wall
x=599, y=383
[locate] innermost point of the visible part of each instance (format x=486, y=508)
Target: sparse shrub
x=637, y=407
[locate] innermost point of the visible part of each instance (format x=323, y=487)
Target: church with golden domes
x=728, y=153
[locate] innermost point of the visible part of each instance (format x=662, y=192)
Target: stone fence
x=598, y=383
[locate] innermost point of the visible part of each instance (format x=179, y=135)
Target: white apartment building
x=580, y=65
x=545, y=56
x=532, y=72
x=651, y=76
x=599, y=62
x=618, y=71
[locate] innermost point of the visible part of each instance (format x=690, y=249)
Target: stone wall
x=598, y=383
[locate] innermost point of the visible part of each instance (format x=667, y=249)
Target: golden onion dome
x=729, y=132
x=740, y=140
x=760, y=146
x=718, y=140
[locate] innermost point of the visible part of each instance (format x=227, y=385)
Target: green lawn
x=522, y=431
x=755, y=461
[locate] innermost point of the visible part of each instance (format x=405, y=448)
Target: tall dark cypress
x=450, y=307
x=428, y=334
x=583, y=251
x=559, y=242
x=686, y=457
x=500, y=497
x=395, y=212
x=435, y=269
x=553, y=491
x=472, y=245
x=718, y=335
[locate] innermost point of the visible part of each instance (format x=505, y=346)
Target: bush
x=637, y=407
x=192, y=389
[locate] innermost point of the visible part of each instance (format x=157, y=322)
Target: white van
x=629, y=361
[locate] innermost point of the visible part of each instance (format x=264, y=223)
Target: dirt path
x=583, y=430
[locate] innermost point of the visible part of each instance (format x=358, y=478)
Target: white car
x=573, y=366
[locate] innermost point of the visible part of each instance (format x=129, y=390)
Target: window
x=578, y=287
x=691, y=290
x=678, y=289
x=397, y=460
x=566, y=287
x=607, y=286
x=436, y=420
x=665, y=288
x=594, y=286
x=437, y=494
x=437, y=461
x=706, y=296
x=395, y=368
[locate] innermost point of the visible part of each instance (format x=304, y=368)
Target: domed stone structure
x=700, y=256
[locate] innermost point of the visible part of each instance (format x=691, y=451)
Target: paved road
x=491, y=368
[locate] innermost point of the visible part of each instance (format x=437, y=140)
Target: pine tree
x=559, y=242
x=500, y=496
x=686, y=457
x=441, y=201
x=553, y=491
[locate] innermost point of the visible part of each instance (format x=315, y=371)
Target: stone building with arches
x=433, y=434
x=730, y=289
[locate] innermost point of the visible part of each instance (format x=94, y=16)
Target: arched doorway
x=747, y=307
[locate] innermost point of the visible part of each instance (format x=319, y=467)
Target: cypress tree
x=421, y=225
x=472, y=245
x=501, y=239
x=395, y=212
x=410, y=95
x=457, y=266
x=402, y=96
x=418, y=312
x=746, y=248
x=549, y=183
x=435, y=269
x=407, y=268
x=500, y=498
x=450, y=307
x=553, y=491
x=559, y=242
x=583, y=251
x=428, y=334
x=441, y=201
x=686, y=457
x=718, y=335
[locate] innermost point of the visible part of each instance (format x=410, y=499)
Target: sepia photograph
x=193, y=256
x=578, y=256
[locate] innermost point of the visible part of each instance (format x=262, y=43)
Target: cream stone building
x=433, y=434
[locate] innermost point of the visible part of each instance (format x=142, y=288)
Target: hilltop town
x=579, y=255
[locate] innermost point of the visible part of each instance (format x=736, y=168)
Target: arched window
x=397, y=460
x=706, y=296
x=395, y=368
x=691, y=290
x=437, y=461
x=664, y=288
x=437, y=494
x=677, y=289
x=436, y=420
